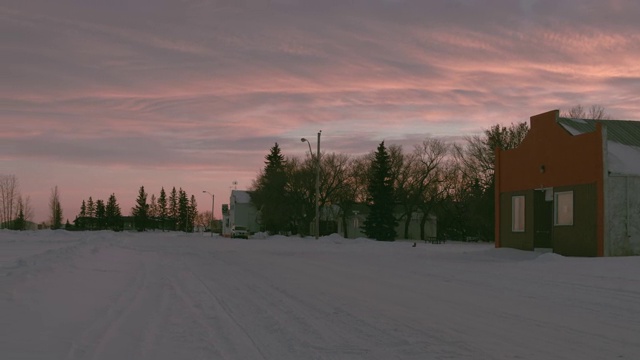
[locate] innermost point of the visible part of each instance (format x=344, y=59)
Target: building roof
x=242, y=197
x=625, y=132
x=623, y=141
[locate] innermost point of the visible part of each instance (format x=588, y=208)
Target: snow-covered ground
x=105, y=295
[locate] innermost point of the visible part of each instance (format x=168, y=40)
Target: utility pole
x=317, y=165
x=318, y=188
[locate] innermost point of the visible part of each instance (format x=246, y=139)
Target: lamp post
x=213, y=198
x=317, y=158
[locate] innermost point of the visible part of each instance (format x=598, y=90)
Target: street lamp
x=213, y=198
x=317, y=157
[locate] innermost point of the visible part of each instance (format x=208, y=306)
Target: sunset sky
x=103, y=96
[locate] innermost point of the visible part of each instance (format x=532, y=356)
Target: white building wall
x=242, y=212
x=226, y=225
x=430, y=227
x=246, y=215
x=622, y=233
x=353, y=227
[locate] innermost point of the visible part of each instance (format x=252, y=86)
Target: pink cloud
x=205, y=90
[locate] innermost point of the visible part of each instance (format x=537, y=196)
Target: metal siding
x=623, y=217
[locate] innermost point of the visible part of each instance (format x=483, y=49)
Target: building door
x=542, y=218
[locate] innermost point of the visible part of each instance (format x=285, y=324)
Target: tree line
x=173, y=212
x=452, y=181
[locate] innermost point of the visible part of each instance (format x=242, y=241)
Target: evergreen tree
x=162, y=208
x=80, y=220
x=153, y=212
x=141, y=211
x=91, y=208
x=173, y=208
x=153, y=207
x=20, y=223
x=270, y=193
x=193, y=212
x=183, y=210
x=77, y=223
x=380, y=223
x=101, y=215
x=113, y=214
x=83, y=209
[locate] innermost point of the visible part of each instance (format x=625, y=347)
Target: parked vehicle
x=239, y=232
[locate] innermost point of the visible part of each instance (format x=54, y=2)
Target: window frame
x=518, y=212
x=557, y=198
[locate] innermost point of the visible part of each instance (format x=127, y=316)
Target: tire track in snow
x=275, y=320
x=314, y=324
x=214, y=308
x=122, y=324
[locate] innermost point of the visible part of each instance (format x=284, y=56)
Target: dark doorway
x=542, y=218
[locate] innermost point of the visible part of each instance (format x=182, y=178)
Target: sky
x=105, y=96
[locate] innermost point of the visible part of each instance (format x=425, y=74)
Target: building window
x=517, y=213
x=563, y=208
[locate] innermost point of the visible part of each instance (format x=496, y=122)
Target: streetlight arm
x=308, y=143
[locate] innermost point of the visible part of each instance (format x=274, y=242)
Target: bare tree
x=358, y=173
x=429, y=189
x=594, y=112
x=397, y=161
x=55, y=208
x=353, y=189
x=476, y=162
x=597, y=112
x=576, y=112
x=333, y=181
x=28, y=209
x=478, y=158
x=300, y=190
x=203, y=219
x=9, y=195
x=407, y=183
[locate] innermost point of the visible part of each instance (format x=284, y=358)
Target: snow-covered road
x=104, y=295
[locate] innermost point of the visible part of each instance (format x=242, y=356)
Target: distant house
x=572, y=186
x=241, y=212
